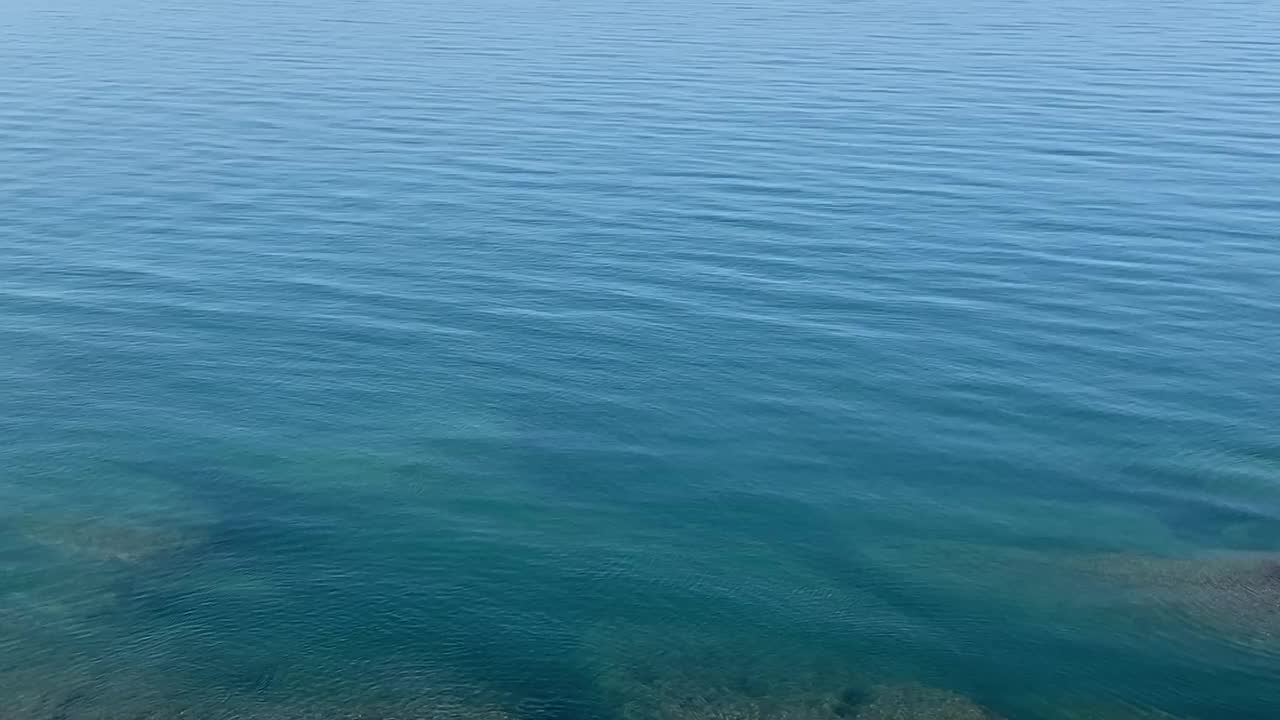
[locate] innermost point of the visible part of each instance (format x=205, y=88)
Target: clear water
x=643, y=360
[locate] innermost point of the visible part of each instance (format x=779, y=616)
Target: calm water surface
x=651, y=360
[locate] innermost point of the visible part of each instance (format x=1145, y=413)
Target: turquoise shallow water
x=639, y=361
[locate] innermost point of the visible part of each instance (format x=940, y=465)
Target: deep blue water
x=644, y=360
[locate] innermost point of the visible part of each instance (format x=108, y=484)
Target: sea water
x=645, y=360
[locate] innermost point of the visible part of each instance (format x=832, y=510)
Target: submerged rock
x=1106, y=712
x=699, y=684
x=712, y=693
x=111, y=540
x=432, y=710
x=918, y=702
x=72, y=691
x=1236, y=591
x=750, y=689
x=82, y=693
